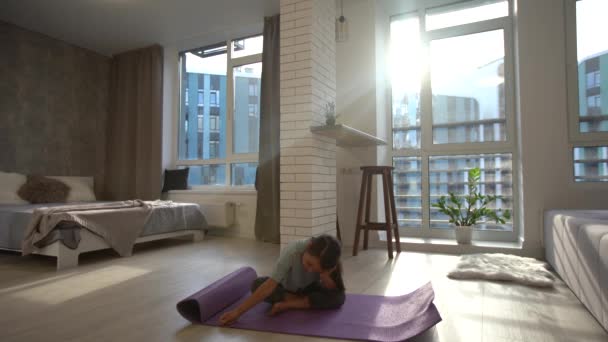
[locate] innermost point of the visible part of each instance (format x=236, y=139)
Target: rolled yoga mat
x=362, y=317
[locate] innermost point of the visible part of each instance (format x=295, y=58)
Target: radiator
x=219, y=215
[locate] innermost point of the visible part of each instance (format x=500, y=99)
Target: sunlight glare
x=253, y=45
x=78, y=285
x=214, y=65
x=405, y=56
x=448, y=16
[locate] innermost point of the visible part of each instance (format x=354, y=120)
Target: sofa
x=576, y=245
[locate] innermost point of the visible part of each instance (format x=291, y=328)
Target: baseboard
x=231, y=233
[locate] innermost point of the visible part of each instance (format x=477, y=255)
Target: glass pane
x=450, y=174
x=405, y=73
x=244, y=173
x=247, y=82
x=468, y=87
x=247, y=46
x=408, y=191
x=206, y=174
x=465, y=13
x=592, y=54
x=591, y=164
x=202, y=123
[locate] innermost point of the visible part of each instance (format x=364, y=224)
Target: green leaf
x=472, y=207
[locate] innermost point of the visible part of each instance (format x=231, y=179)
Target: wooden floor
x=133, y=299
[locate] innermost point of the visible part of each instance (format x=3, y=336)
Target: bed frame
x=67, y=258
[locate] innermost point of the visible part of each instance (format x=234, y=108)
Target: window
x=214, y=149
x=207, y=174
x=247, y=46
x=214, y=124
x=408, y=191
x=200, y=123
x=593, y=79
x=201, y=99
x=246, y=108
x=215, y=91
x=465, y=74
x=591, y=164
x=587, y=89
x=594, y=101
x=452, y=110
x=449, y=173
x=465, y=13
x=214, y=98
x=253, y=88
x=243, y=173
x=589, y=57
x=253, y=110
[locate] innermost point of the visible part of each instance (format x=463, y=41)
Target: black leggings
x=318, y=296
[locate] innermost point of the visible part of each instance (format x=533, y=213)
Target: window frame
x=428, y=148
x=589, y=181
x=231, y=157
x=577, y=138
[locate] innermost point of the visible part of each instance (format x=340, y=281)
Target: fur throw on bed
x=39, y=189
x=506, y=267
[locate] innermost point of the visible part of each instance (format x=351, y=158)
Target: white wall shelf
x=347, y=136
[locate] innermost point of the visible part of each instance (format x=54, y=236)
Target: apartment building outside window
x=217, y=137
x=587, y=55
x=451, y=70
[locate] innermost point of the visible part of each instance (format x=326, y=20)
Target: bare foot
x=278, y=308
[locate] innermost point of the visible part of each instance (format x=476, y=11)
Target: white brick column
x=308, y=82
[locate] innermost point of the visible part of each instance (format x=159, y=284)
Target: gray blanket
x=118, y=223
x=67, y=232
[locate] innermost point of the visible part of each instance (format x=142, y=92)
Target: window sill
x=216, y=191
x=450, y=246
x=452, y=242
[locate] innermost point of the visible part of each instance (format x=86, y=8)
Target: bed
x=576, y=245
x=184, y=220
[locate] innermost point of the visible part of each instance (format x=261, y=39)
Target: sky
x=591, y=27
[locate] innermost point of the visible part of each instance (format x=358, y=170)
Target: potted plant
x=465, y=211
x=330, y=114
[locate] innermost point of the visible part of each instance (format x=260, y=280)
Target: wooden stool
x=390, y=210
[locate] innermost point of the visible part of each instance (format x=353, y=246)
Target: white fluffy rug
x=526, y=271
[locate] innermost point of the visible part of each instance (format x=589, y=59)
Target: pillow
x=81, y=188
x=9, y=185
x=39, y=189
x=176, y=179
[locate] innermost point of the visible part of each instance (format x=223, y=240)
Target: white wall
x=545, y=149
x=245, y=208
x=356, y=105
x=546, y=152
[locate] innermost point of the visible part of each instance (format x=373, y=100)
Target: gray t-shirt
x=289, y=271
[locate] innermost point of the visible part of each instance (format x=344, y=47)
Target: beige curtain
x=134, y=128
x=268, y=173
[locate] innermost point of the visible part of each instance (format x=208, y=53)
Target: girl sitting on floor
x=308, y=275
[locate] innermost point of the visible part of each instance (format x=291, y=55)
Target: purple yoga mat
x=362, y=317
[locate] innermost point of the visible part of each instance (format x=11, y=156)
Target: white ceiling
x=113, y=26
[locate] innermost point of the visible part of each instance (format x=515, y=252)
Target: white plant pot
x=463, y=234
